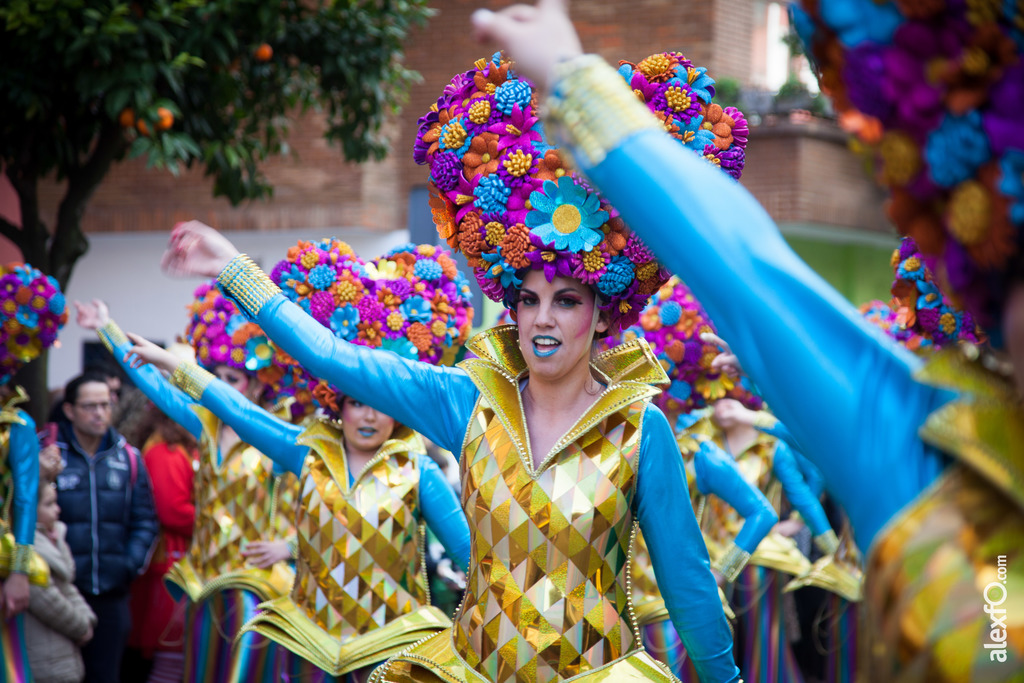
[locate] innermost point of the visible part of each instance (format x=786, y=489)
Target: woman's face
x=47, y=510
x=557, y=323
x=364, y=428
x=250, y=387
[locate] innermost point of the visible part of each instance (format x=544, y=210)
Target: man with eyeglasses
x=105, y=499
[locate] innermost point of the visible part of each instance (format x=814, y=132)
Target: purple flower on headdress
x=425, y=123
x=554, y=262
x=1003, y=122
x=730, y=160
x=460, y=87
x=321, y=305
x=1011, y=184
x=956, y=149
x=521, y=127
x=400, y=287
x=681, y=100
x=516, y=164
x=490, y=287
x=370, y=310
x=589, y=266
x=446, y=170
x=863, y=73
x=917, y=100
x=740, y=129
x=636, y=251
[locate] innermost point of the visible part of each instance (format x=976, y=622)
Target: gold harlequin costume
x=548, y=590
x=238, y=501
x=16, y=551
x=360, y=591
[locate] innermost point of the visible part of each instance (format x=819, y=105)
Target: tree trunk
x=32, y=378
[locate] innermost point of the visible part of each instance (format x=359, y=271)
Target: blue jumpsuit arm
x=678, y=554
x=787, y=471
x=172, y=402
x=443, y=512
x=23, y=460
x=717, y=474
x=779, y=430
x=709, y=230
x=435, y=401
x=270, y=435
x=810, y=473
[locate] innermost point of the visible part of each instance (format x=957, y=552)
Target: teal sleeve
x=810, y=473
x=23, y=461
x=717, y=474
x=443, y=512
x=678, y=554
x=435, y=401
x=270, y=435
x=800, y=495
x=788, y=327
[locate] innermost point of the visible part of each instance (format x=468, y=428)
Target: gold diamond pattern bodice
x=237, y=502
x=360, y=563
x=547, y=592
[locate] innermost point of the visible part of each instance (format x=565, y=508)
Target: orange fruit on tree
x=141, y=126
x=264, y=52
x=165, y=119
x=127, y=118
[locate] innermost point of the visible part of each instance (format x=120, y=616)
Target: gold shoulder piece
x=630, y=362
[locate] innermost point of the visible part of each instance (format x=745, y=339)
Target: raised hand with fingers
x=92, y=316
x=196, y=249
x=537, y=37
x=144, y=351
x=726, y=361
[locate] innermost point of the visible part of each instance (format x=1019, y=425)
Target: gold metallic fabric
x=191, y=379
x=360, y=592
x=249, y=286
x=235, y=505
x=548, y=595
x=112, y=336
x=15, y=557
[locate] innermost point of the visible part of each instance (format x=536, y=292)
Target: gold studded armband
x=191, y=379
x=247, y=285
x=112, y=336
x=592, y=110
x=22, y=558
x=732, y=562
x=827, y=542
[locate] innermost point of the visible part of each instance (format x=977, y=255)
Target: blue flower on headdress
x=234, y=322
x=860, y=21
x=667, y=363
x=258, y=354
x=451, y=332
x=510, y=93
x=402, y=346
x=929, y=297
x=290, y=280
x=694, y=136
x=956, y=149
x=702, y=85
x=498, y=269
x=566, y=216
x=57, y=304
x=618, y=276
x=680, y=390
x=416, y=309
x=344, y=322
x=455, y=130
x=462, y=287
x=427, y=269
x=322, y=276
x=670, y=313
x=1012, y=183
x=492, y=194
x=26, y=316
x=904, y=273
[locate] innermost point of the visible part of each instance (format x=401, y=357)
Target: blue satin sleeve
x=810, y=473
x=678, y=554
x=23, y=461
x=800, y=495
x=172, y=401
x=780, y=432
x=435, y=401
x=443, y=512
x=789, y=328
x=270, y=435
x=717, y=474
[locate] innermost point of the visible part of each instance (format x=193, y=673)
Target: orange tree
x=87, y=83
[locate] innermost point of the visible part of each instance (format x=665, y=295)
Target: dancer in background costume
x=244, y=509
x=924, y=457
x=562, y=456
x=368, y=489
x=33, y=310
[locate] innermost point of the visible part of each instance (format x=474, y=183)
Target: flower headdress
x=921, y=309
x=672, y=324
x=680, y=95
x=33, y=309
x=933, y=90
x=500, y=194
x=413, y=300
x=881, y=315
x=221, y=335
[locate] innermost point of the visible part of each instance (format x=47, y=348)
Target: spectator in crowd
x=58, y=619
x=108, y=508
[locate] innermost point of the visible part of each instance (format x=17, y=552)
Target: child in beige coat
x=58, y=621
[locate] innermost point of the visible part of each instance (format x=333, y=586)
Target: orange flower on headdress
x=721, y=124
x=496, y=75
x=482, y=156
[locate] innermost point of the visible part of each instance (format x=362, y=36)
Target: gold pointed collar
x=982, y=428
x=8, y=411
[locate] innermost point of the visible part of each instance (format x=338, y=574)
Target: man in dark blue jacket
x=105, y=500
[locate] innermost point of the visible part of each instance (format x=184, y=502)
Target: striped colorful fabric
x=14, y=663
x=663, y=643
x=212, y=656
x=762, y=643
x=841, y=663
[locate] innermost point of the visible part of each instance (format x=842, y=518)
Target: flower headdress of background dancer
x=500, y=194
x=412, y=300
x=226, y=343
x=934, y=90
x=33, y=310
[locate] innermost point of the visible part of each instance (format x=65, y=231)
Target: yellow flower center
x=900, y=158
x=485, y=157
x=480, y=111
x=518, y=163
x=647, y=270
x=970, y=212
x=549, y=256
x=688, y=135
x=495, y=233
x=454, y=135
x=566, y=219
x=913, y=263
x=678, y=99
x=654, y=65
x=438, y=328
x=513, y=131
x=489, y=88
x=344, y=291
x=395, y=321
x=948, y=323
x=592, y=260
x=975, y=61
x=310, y=259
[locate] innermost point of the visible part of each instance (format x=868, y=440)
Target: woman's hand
x=196, y=249
x=92, y=316
x=50, y=462
x=265, y=554
x=537, y=37
x=145, y=352
x=15, y=594
x=726, y=361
